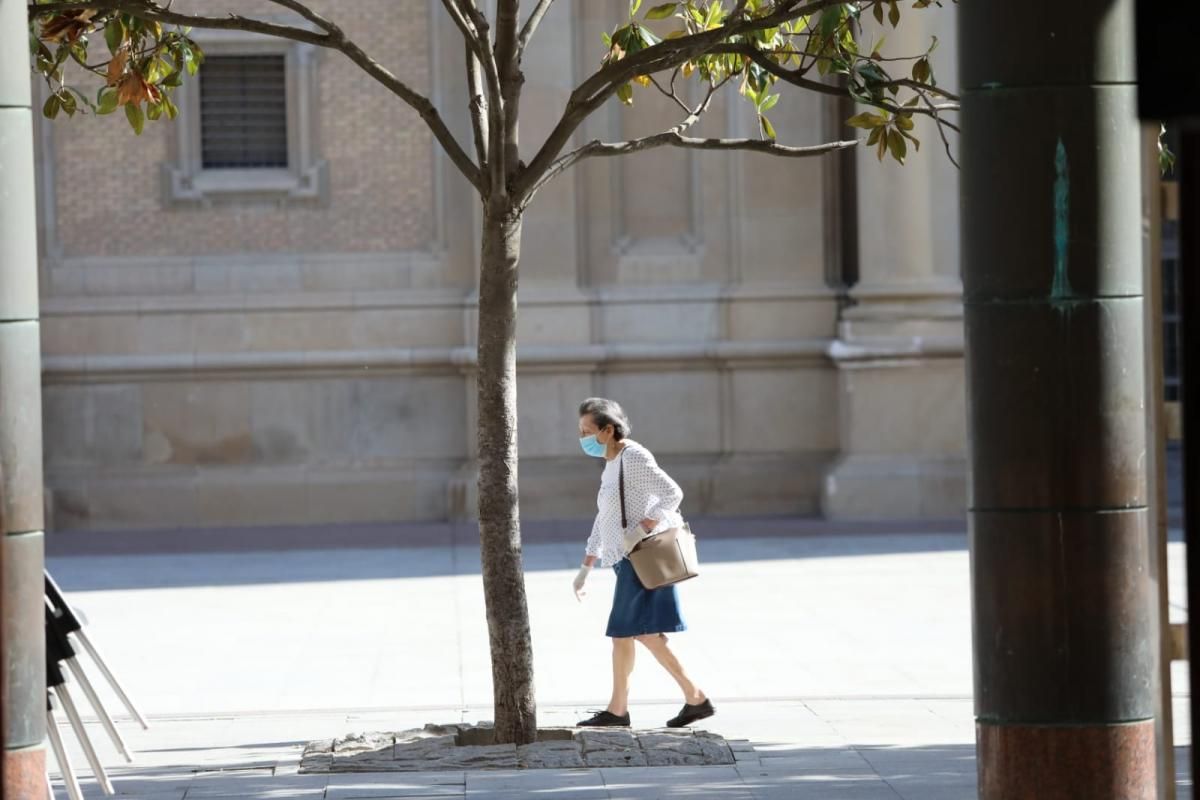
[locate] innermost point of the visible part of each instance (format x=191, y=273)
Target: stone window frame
x=305, y=179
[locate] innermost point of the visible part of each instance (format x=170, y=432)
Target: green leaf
x=768, y=129
x=114, y=34
x=68, y=104
x=878, y=11
x=904, y=122
x=897, y=146
x=154, y=110
x=52, y=106
x=170, y=107
x=625, y=93
x=604, y=37
x=921, y=70
x=894, y=13
x=634, y=5
x=133, y=113
x=873, y=139
x=866, y=120
x=648, y=37
x=662, y=11
x=154, y=71
x=768, y=103
x=106, y=100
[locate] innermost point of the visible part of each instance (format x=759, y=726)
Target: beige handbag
x=660, y=559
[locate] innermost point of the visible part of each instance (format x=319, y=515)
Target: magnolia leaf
x=648, y=37
x=921, y=70
x=767, y=128
x=153, y=110
x=768, y=103
x=634, y=5
x=625, y=93
x=878, y=11
x=116, y=66
x=904, y=122
x=866, y=120
x=114, y=34
x=874, y=137
x=642, y=80
x=662, y=11
x=133, y=113
x=170, y=107
x=52, y=106
x=894, y=13
x=677, y=34
x=881, y=147
x=897, y=146
x=107, y=100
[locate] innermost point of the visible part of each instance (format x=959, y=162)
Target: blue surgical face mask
x=592, y=447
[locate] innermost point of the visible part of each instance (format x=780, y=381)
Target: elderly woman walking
x=638, y=614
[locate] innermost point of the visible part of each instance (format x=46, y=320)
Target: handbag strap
x=621, y=481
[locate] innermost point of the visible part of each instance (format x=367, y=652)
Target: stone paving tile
x=383, y=789
x=94, y=792
x=273, y=786
x=407, y=784
x=806, y=760
x=572, y=780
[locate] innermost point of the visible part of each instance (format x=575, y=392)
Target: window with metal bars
x=243, y=112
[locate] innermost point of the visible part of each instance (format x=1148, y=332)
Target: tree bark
x=499, y=518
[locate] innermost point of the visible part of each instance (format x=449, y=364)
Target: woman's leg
x=622, y=661
x=656, y=643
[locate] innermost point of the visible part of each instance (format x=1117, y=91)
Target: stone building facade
x=294, y=345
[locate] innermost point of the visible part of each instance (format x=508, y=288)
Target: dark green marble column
x=1065, y=649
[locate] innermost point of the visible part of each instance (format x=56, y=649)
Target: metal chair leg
x=105, y=719
x=60, y=755
x=68, y=705
x=112, y=680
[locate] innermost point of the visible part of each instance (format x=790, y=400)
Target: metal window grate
x=243, y=111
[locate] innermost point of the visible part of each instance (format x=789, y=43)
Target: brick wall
x=377, y=148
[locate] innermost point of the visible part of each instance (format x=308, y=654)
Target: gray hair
x=606, y=412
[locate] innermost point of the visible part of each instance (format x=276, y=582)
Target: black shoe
x=691, y=714
x=606, y=719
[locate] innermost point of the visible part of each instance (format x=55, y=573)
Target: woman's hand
x=648, y=524
x=580, y=580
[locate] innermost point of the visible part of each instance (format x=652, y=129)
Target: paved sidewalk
x=845, y=659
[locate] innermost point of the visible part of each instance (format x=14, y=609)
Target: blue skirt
x=637, y=611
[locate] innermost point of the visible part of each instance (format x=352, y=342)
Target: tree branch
x=333, y=39
x=508, y=61
x=478, y=108
x=474, y=28
x=675, y=139
x=795, y=77
x=667, y=54
x=531, y=25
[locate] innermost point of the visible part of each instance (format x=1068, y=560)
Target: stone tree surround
x=458, y=747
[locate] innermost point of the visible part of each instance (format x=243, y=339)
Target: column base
x=907, y=486
x=1098, y=762
x=25, y=773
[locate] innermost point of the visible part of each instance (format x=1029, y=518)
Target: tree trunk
x=499, y=519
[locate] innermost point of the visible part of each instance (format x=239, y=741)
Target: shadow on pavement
x=97, y=561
